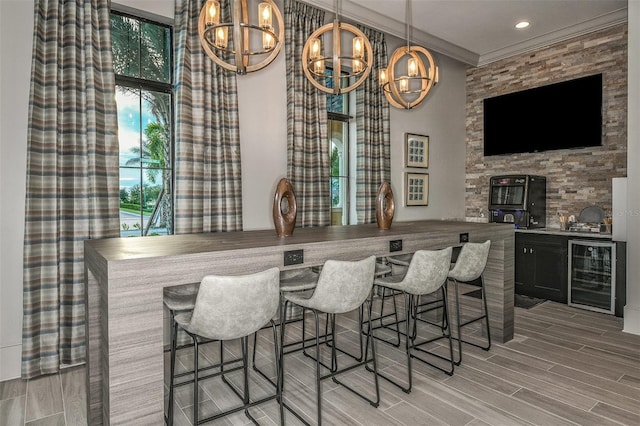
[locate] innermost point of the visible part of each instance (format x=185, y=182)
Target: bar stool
x=426, y=274
x=343, y=286
x=228, y=308
x=302, y=280
x=305, y=280
x=470, y=266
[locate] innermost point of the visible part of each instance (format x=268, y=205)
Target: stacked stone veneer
x=576, y=178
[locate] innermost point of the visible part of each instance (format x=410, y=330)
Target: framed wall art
x=416, y=189
x=416, y=150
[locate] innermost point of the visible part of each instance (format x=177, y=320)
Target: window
x=338, y=133
x=144, y=94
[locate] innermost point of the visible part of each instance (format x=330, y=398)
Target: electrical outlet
x=464, y=237
x=395, y=245
x=293, y=257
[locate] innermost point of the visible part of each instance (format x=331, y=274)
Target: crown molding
x=356, y=13
x=597, y=24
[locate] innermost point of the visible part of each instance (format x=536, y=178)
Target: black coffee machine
x=518, y=199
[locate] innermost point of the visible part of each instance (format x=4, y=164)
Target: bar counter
x=124, y=278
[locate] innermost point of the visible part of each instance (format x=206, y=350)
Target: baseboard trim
x=631, y=319
x=10, y=362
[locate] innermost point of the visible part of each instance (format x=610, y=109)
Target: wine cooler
x=592, y=275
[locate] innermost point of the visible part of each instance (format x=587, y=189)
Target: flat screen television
x=557, y=116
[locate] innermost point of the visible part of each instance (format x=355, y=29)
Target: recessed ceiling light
x=522, y=24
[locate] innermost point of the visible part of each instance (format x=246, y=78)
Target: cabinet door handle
x=531, y=250
x=524, y=250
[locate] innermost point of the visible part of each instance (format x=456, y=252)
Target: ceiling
x=478, y=32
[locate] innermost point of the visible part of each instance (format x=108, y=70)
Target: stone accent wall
x=576, y=178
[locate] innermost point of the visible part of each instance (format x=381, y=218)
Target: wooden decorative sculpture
x=284, y=221
x=385, y=206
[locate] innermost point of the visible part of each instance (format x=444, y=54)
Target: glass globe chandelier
x=408, y=90
x=228, y=44
x=347, y=71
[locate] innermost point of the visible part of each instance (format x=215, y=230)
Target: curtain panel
x=308, y=158
x=72, y=191
x=208, y=184
x=373, y=151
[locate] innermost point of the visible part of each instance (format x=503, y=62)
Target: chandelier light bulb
x=412, y=67
x=264, y=11
x=404, y=85
x=382, y=76
x=221, y=37
x=213, y=12
x=267, y=41
x=318, y=66
x=358, y=47
x=316, y=47
x=357, y=66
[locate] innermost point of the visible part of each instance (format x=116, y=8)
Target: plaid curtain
x=372, y=133
x=307, y=143
x=72, y=175
x=208, y=191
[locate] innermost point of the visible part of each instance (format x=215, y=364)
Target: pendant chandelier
x=228, y=44
x=347, y=71
x=408, y=90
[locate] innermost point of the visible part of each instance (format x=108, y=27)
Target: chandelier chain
x=408, y=21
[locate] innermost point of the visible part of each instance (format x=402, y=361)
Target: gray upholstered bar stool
x=305, y=280
x=426, y=274
x=302, y=280
x=343, y=286
x=470, y=266
x=229, y=308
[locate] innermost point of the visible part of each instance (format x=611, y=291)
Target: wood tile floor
x=565, y=366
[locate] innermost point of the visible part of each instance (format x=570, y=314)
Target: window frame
x=143, y=84
x=346, y=119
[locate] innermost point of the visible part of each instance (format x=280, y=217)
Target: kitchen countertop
x=558, y=231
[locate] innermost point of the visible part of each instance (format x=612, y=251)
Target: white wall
x=263, y=127
x=632, y=308
x=441, y=117
x=16, y=29
x=262, y=100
